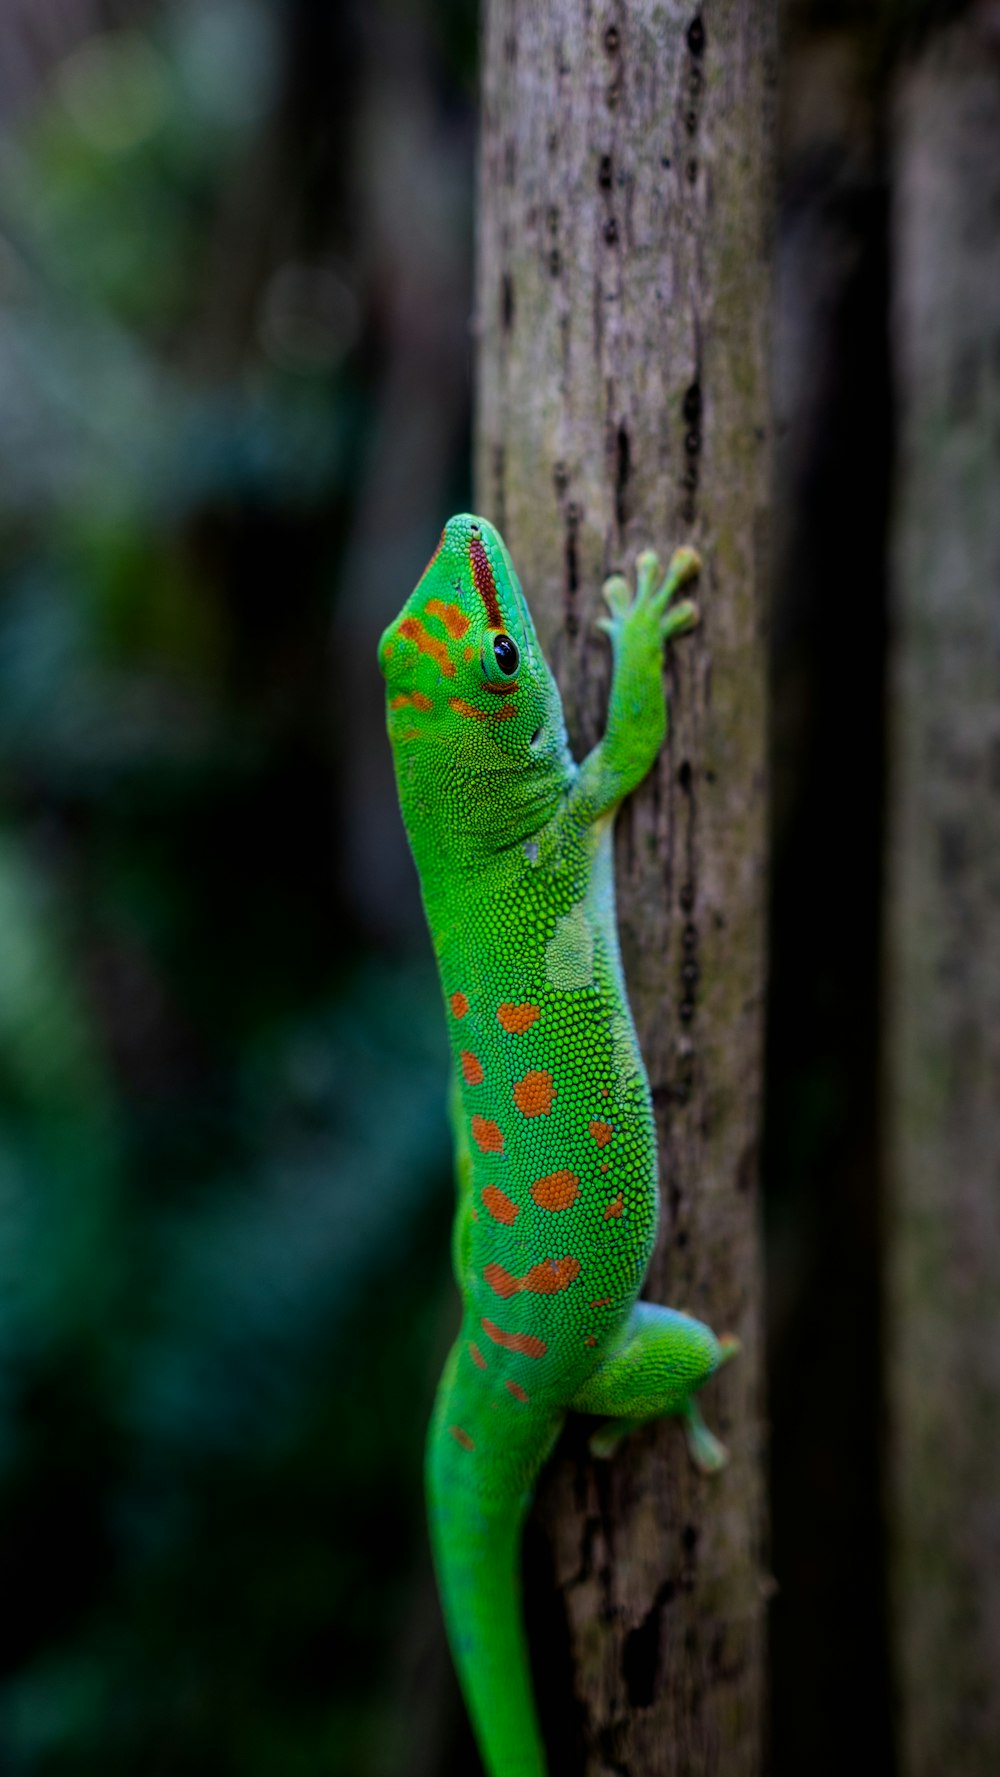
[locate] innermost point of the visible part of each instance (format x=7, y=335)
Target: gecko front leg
x=639, y=629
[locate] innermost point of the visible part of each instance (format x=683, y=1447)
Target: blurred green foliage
x=223, y=1156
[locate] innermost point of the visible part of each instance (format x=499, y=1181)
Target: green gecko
x=554, y=1135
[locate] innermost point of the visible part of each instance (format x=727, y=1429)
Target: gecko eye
x=506, y=655
x=500, y=659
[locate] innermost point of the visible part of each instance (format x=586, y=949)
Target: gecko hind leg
x=653, y=1373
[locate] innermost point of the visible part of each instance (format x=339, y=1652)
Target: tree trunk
x=943, y=1056
x=623, y=295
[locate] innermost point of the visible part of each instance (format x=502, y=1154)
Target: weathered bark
x=623, y=293
x=943, y=1051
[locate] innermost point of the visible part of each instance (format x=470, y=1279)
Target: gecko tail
x=477, y=1500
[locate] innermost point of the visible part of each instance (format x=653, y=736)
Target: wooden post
x=623, y=295
x=943, y=911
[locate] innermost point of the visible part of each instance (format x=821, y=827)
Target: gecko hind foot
x=706, y=1451
x=603, y=1442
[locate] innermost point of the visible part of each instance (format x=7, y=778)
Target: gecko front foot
x=650, y=616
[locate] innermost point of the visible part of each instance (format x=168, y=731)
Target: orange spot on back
x=602, y=1302
x=477, y=1357
x=472, y=1068
x=452, y=616
x=499, y=1205
x=601, y=1132
x=528, y=1344
x=501, y=1282
x=557, y=1190
x=414, y=631
x=534, y=1094
x=516, y=1390
x=517, y=1019
x=604, y=1166
x=614, y=1209
x=590, y=1340
x=487, y=1135
x=461, y=1437
x=551, y=1276
x=470, y=654
x=546, y=1279
x=459, y=1005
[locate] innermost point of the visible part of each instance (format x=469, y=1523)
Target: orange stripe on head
x=415, y=698
x=482, y=574
x=528, y=1344
x=477, y=1356
x=459, y=1005
x=414, y=631
x=461, y=708
x=614, y=1209
x=461, y=1437
x=515, y=1389
x=452, y=616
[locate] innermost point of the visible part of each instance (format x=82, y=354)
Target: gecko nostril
x=536, y=737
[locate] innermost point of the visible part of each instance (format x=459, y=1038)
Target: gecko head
x=462, y=664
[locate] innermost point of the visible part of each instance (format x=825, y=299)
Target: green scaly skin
x=554, y=1136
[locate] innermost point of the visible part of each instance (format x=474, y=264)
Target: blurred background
x=235, y=381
